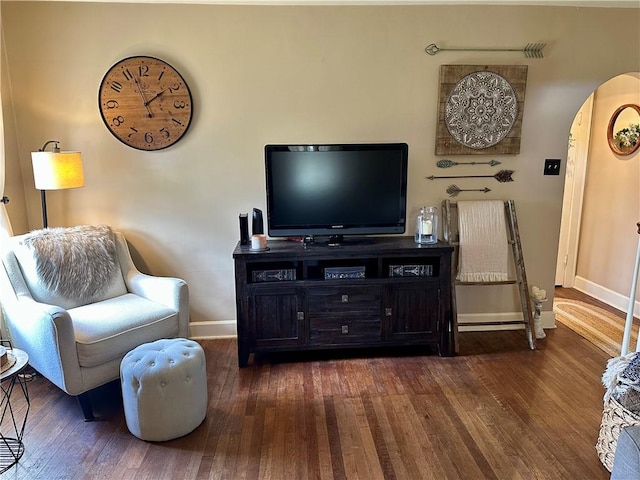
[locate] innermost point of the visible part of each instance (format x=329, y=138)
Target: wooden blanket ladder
x=449, y=220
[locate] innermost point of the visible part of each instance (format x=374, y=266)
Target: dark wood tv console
x=380, y=292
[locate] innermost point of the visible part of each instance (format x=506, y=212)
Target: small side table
x=11, y=446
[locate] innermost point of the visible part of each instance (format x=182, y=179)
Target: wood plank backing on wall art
x=480, y=109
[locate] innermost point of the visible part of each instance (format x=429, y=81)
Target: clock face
x=145, y=103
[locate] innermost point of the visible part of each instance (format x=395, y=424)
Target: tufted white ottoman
x=164, y=388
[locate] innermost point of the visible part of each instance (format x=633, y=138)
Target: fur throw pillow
x=75, y=262
x=632, y=371
x=622, y=380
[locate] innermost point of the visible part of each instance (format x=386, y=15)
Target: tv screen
x=348, y=189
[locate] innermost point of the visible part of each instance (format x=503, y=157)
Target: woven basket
x=614, y=418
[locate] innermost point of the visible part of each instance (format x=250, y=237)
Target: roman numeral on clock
x=117, y=86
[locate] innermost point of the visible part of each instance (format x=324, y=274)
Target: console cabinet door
x=277, y=317
x=412, y=311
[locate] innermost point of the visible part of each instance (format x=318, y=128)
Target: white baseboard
x=611, y=298
x=213, y=330
x=548, y=321
x=227, y=328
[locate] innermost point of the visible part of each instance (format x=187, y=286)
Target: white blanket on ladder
x=483, y=251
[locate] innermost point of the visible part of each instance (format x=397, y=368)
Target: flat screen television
x=336, y=190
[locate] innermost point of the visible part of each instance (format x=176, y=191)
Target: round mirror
x=623, y=132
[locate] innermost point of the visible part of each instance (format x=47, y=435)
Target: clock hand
x=154, y=97
x=144, y=100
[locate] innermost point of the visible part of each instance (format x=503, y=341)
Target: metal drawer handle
x=345, y=329
x=345, y=298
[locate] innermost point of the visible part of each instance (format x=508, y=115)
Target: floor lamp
x=632, y=300
x=55, y=170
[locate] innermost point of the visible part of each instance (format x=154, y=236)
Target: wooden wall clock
x=145, y=103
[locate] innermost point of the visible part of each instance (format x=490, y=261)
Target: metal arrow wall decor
x=502, y=176
x=531, y=50
x=444, y=163
x=454, y=190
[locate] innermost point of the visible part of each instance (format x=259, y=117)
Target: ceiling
x=558, y=3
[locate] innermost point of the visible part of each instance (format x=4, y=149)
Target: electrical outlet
x=552, y=166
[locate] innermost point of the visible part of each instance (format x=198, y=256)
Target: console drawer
x=356, y=300
x=344, y=330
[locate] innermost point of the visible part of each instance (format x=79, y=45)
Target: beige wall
x=608, y=235
x=286, y=74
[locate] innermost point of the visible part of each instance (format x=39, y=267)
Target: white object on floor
x=537, y=321
x=164, y=389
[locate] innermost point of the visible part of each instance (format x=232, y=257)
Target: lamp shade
x=57, y=170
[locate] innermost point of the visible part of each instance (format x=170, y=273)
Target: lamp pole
x=43, y=200
x=43, y=195
x=632, y=300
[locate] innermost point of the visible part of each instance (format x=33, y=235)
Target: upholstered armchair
x=75, y=302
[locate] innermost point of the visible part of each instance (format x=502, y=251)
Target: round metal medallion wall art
x=481, y=110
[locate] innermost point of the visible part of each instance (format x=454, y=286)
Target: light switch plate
x=552, y=166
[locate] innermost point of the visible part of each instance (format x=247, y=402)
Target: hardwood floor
x=496, y=411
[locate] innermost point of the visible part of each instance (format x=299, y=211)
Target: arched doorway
x=593, y=197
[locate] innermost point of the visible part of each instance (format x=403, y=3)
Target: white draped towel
x=483, y=251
